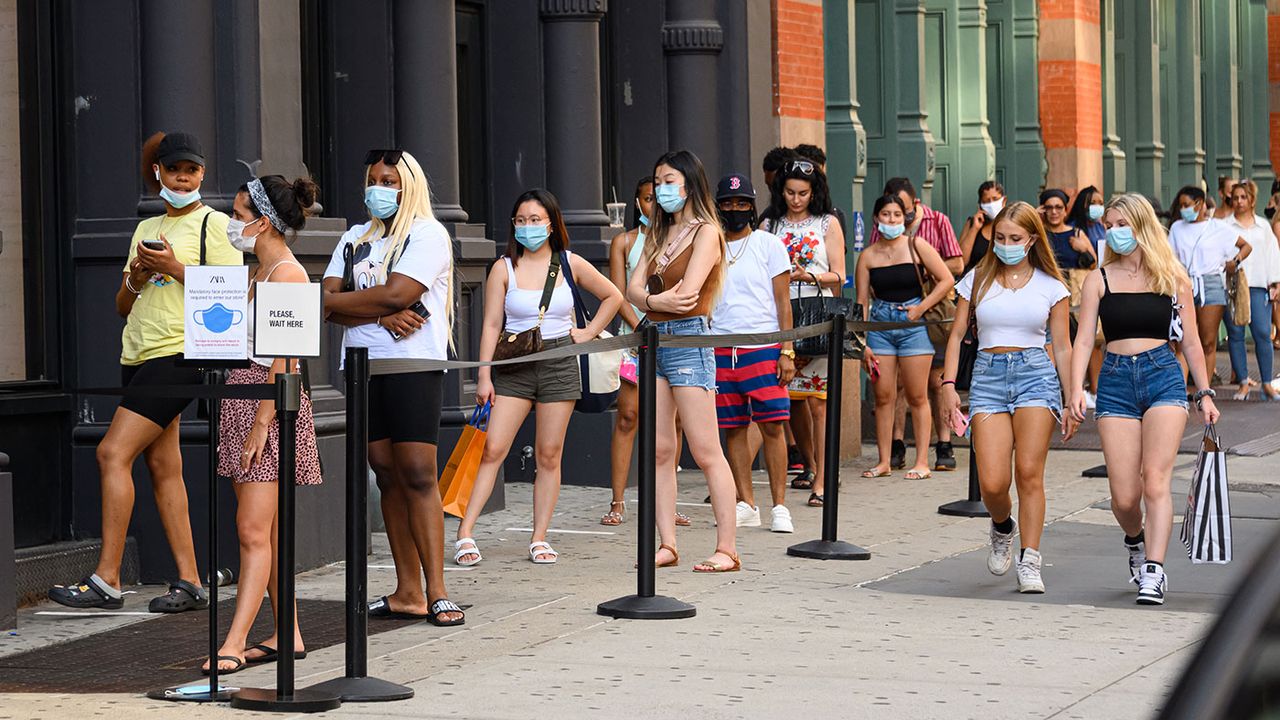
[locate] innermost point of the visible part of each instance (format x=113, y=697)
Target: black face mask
x=736, y=220
x=909, y=218
x=1269, y=212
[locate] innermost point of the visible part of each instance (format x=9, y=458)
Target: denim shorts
x=1130, y=385
x=1211, y=289
x=686, y=367
x=902, y=343
x=1005, y=382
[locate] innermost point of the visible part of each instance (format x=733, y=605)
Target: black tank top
x=895, y=283
x=981, y=246
x=1128, y=316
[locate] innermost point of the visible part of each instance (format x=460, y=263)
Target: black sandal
x=182, y=596
x=442, y=606
x=270, y=655
x=240, y=665
x=803, y=481
x=381, y=609
x=815, y=500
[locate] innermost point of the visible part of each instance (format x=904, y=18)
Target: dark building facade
x=493, y=97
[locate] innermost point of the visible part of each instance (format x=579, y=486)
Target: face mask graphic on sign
x=218, y=318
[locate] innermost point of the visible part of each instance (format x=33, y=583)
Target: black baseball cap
x=179, y=146
x=735, y=185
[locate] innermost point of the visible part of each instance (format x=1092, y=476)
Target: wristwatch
x=788, y=352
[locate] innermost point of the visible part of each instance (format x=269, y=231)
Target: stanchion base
x=829, y=550
x=964, y=508
x=657, y=607
x=302, y=701
x=198, y=693
x=1097, y=471
x=363, y=689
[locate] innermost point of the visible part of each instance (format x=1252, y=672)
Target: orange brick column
x=1070, y=75
x=799, y=101
x=1273, y=77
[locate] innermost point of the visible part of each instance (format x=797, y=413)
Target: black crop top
x=895, y=283
x=1126, y=316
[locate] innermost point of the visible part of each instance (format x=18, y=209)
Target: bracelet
x=129, y=286
x=378, y=322
x=948, y=382
x=647, y=306
x=1202, y=394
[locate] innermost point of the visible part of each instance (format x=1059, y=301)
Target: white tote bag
x=603, y=368
x=1206, y=524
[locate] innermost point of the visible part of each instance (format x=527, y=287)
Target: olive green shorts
x=543, y=381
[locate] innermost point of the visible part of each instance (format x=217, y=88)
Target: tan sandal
x=713, y=567
x=683, y=520
x=613, y=517
x=675, y=556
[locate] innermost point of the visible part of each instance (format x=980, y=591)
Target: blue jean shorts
x=902, y=343
x=686, y=367
x=1211, y=290
x=1130, y=385
x=1005, y=382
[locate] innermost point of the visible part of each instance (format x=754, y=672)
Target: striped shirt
x=935, y=229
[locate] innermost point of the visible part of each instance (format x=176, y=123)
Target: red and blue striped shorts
x=747, y=388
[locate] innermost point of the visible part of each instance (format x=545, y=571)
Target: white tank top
x=249, y=311
x=806, y=243
x=521, y=306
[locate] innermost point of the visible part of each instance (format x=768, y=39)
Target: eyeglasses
x=388, y=157
x=531, y=220
x=803, y=166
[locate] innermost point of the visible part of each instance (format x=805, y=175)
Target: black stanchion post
x=357, y=686
x=285, y=698
x=972, y=505
x=829, y=548
x=645, y=604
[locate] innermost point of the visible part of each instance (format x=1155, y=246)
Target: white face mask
x=235, y=236
x=993, y=208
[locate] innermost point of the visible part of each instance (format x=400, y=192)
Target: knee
x=918, y=400
x=770, y=430
x=493, y=454
x=626, y=421
x=548, y=456
x=419, y=478
x=384, y=474
x=111, y=455
x=1029, y=476
x=254, y=536
x=1125, y=504
x=1155, y=487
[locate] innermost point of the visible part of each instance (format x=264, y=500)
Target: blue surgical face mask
x=1189, y=214
x=891, y=231
x=1010, y=254
x=644, y=220
x=669, y=197
x=532, y=236
x=1121, y=240
x=1095, y=212
x=383, y=202
x=177, y=199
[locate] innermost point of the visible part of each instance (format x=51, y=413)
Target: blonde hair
x=1040, y=255
x=415, y=205
x=1165, y=272
x=1250, y=189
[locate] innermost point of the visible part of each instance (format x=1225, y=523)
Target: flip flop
x=381, y=609
x=815, y=500
x=442, y=606
x=240, y=665
x=270, y=655
x=917, y=475
x=803, y=481
x=869, y=474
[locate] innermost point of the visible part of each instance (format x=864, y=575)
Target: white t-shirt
x=1203, y=248
x=747, y=302
x=1014, y=318
x=427, y=257
x=1262, y=267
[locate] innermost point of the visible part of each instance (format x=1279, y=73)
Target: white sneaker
x=1001, y=556
x=1152, y=584
x=1137, y=558
x=748, y=516
x=781, y=522
x=1090, y=400
x=1029, y=580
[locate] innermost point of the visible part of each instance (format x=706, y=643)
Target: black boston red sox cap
x=735, y=185
x=180, y=146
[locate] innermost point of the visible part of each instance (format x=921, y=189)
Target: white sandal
x=542, y=548
x=466, y=546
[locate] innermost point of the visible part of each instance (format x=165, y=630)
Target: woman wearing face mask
x=890, y=289
x=1262, y=270
x=1017, y=294
x=975, y=239
x=264, y=212
x=1206, y=248
x=151, y=300
x=390, y=283
x=1140, y=294
x=1072, y=249
x=624, y=256
x=682, y=272
x=517, y=291
x=802, y=203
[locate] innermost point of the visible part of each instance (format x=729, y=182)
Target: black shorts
x=158, y=371
x=405, y=407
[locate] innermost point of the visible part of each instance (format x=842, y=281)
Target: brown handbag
x=1238, y=297
x=945, y=309
x=526, y=342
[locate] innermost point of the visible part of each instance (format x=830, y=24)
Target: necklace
x=734, y=258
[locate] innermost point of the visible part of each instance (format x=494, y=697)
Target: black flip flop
x=240, y=665
x=270, y=655
x=182, y=596
x=381, y=609
x=442, y=606
x=815, y=500
x=803, y=481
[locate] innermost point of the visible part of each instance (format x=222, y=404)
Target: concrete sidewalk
x=921, y=630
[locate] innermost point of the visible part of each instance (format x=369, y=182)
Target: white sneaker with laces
x=748, y=516
x=1137, y=558
x=1001, y=556
x=781, y=520
x=1029, y=580
x=1152, y=584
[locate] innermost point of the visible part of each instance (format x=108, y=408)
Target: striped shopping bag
x=1206, y=525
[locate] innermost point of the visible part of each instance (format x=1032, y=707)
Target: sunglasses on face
x=803, y=166
x=388, y=157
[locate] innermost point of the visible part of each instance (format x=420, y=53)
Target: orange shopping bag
x=464, y=462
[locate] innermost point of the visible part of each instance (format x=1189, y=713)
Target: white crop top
x=521, y=306
x=1014, y=318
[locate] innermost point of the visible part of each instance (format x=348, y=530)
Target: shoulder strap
x=1106, y=286
x=553, y=271
x=286, y=261
x=915, y=263
x=580, y=311
x=204, y=230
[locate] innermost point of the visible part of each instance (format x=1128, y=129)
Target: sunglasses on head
x=388, y=157
x=803, y=166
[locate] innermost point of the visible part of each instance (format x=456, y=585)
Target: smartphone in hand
x=154, y=244
x=959, y=423
x=417, y=307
